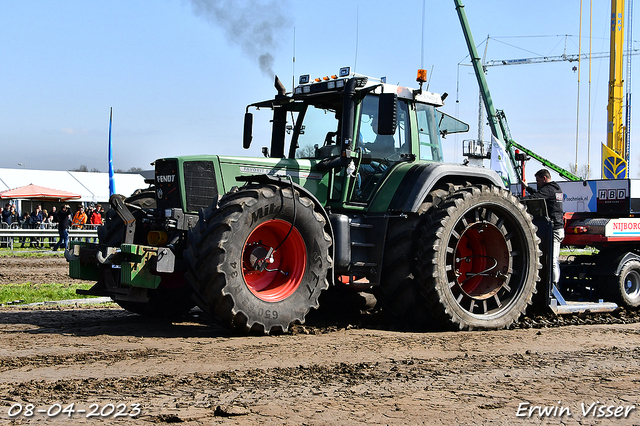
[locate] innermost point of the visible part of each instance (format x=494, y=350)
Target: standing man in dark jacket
x=64, y=222
x=6, y=214
x=550, y=191
x=36, y=221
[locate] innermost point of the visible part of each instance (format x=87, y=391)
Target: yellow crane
x=614, y=162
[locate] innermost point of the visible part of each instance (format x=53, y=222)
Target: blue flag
x=112, y=183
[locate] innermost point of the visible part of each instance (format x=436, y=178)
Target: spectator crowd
x=61, y=219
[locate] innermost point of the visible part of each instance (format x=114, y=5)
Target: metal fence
x=45, y=234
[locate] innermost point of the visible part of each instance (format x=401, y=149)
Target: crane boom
x=477, y=67
x=627, y=136
x=492, y=116
x=614, y=164
x=559, y=58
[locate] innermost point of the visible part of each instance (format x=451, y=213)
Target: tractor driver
x=383, y=145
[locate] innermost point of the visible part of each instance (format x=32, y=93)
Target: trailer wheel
x=625, y=288
x=479, y=259
x=258, y=262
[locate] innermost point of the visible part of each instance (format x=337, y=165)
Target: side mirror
x=247, y=135
x=387, y=114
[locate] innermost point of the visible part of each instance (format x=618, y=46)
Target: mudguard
x=611, y=262
x=420, y=178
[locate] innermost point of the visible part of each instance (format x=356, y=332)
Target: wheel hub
x=632, y=285
x=260, y=257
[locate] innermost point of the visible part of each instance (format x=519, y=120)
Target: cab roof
x=326, y=84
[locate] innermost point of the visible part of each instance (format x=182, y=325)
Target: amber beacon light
x=422, y=76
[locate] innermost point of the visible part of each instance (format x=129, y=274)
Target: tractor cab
x=355, y=130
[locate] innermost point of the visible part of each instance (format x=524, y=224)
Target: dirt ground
x=351, y=372
x=49, y=269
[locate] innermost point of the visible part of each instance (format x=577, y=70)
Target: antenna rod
x=355, y=61
x=422, y=39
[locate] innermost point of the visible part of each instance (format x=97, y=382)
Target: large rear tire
x=479, y=259
x=400, y=292
x=258, y=262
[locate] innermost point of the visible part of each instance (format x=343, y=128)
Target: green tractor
x=352, y=193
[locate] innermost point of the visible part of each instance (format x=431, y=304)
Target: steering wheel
x=328, y=140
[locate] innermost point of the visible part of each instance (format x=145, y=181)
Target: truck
x=352, y=193
x=603, y=215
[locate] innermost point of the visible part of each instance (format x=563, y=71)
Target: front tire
x=258, y=263
x=479, y=254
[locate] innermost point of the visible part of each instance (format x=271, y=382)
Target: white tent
x=93, y=187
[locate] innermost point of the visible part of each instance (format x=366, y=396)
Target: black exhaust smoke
x=251, y=24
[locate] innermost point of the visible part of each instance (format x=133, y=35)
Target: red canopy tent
x=36, y=192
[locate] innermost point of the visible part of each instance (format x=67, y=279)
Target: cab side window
x=430, y=145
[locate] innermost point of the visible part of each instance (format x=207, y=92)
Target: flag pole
x=112, y=185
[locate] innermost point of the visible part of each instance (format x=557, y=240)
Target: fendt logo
x=612, y=194
x=165, y=178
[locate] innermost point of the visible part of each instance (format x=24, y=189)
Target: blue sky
x=180, y=73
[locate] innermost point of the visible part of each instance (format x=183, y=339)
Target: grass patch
x=573, y=251
x=30, y=252
x=34, y=293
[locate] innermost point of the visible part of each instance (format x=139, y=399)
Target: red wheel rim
x=481, y=248
x=291, y=258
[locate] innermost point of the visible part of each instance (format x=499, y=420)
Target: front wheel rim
x=632, y=285
x=280, y=276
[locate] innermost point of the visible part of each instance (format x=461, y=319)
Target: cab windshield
x=318, y=133
x=315, y=128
